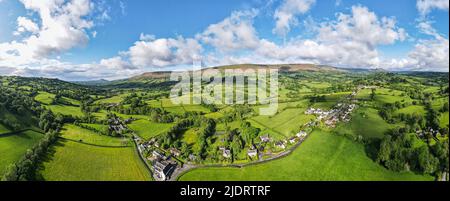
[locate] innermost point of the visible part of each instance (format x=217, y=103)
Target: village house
x=280, y=145
x=252, y=153
x=175, y=152
x=265, y=138
x=301, y=134
x=292, y=140
x=192, y=157
x=226, y=153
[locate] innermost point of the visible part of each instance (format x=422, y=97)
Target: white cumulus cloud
x=233, y=33
x=285, y=15
x=425, y=6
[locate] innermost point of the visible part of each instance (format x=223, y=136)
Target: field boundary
x=20, y=131
x=96, y=145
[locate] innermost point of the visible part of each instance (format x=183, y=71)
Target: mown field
x=322, y=157
x=72, y=161
x=78, y=134
x=13, y=147
x=65, y=110
x=45, y=97
x=148, y=129
x=365, y=122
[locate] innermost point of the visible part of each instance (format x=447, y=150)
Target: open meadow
x=73, y=161
x=13, y=147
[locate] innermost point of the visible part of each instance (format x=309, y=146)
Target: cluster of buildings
x=342, y=112
x=163, y=166
x=423, y=133
x=115, y=124
x=299, y=137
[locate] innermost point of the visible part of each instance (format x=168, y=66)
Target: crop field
x=72, y=161
x=78, y=134
x=147, y=129
x=45, y=97
x=13, y=147
x=322, y=157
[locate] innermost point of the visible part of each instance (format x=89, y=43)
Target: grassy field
x=383, y=95
x=98, y=127
x=65, y=110
x=3, y=129
x=331, y=100
x=76, y=133
x=418, y=109
x=72, y=161
x=365, y=122
x=113, y=99
x=322, y=157
x=147, y=129
x=45, y=97
x=25, y=119
x=13, y=147
x=287, y=122
x=444, y=119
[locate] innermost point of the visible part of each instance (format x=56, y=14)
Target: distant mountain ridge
x=165, y=75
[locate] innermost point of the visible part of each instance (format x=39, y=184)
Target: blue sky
x=90, y=39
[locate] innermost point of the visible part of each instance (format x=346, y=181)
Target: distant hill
x=160, y=75
x=165, y=75
x=93, y=82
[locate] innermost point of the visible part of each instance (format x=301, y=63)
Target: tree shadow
x=47, y=158
x=371, y=148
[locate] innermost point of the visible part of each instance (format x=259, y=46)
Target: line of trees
x=25, y=169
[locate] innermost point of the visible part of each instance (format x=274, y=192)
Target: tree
x=427, y=162
x=372, y=95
